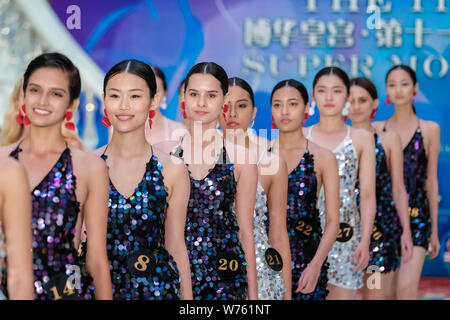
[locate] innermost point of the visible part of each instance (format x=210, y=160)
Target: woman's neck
x=403, y=114
x=291, y=139
x=129, y=144
x=42, y=140
x=366, y=125
x=202, y=133
x=330, y=124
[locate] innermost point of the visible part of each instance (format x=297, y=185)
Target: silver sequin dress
x=342, y=253
x=2, y=259
x=270, y=283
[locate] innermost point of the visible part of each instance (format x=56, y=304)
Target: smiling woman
x=148, y=194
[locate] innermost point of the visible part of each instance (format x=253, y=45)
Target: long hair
x=11, y=130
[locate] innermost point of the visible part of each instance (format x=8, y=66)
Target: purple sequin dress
x=415, y=175
x=141, y=267
x=218, y=266
x=55, y=210
x=303, y=224
x=385, y=240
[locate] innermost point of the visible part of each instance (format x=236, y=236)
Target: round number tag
x=273, y=259
x=303, y=228
x=60, y=287
x=345, y=232
x=377, y=234
x=141, y=263
x=227, y=264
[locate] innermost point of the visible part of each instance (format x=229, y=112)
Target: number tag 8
x=141, y=263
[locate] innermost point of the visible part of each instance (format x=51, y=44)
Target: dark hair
x=406, y=68
x=136, y=67
x=366, y=84
x=181, y=84
x=235, y=81
x=160, y=74
x=59, y=61
x=333, y=71
x=294, y=84
x=209, y=68
x=411, y=73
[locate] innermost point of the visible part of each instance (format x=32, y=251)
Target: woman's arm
x=367, y=170
x=278, y=236
x=95, y=211
x=179, y=186
x=329, y=174
x=16, y=219
x=399, y=194
x=431, y=184
x=247, y=179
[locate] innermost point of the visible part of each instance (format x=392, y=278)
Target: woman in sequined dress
x=273, y=284
x=148, y=194
x=420, y=141
x=310, y=167
x=219, y=226
x=354, y=150
x=391, y=232
x=68, y=187
x=15, y=231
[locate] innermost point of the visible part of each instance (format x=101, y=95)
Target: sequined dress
x=270, y=283
x=218, y=266
x=2, y=257
x=303, y=224
x=55, y=212
x=385, y=238
x=342, y=253
x=415, y=176
x=141, y=267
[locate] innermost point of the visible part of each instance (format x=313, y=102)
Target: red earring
x=225, y=110
x=273, y=125
x=19, y=118
x=388, y=101
x=105, y=120
x=183, y=107
x=372, y=115
x=69, y=125
x=306, y=116
x=26, y=121
x=151, y=115
x=345, y=118
x=414, y=97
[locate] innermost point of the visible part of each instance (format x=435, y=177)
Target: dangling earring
x=387, y=101
x=252, y=123
x=225, y=110
x=414, y=97
x=105, y=120
x=183, y=107
x=345, y=111
x=151, y=115
x=164, y=103
x=69, y=125
x=26, y=120
x=372, y=115
x=306, y=116
x=19, y=117
x=273, y=125
x=312, y=108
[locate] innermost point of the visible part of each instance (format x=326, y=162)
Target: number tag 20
x=228, y=264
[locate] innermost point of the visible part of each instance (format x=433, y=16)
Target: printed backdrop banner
x=265, y=41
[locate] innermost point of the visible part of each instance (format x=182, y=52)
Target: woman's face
x=330, y=94
x=288, y=109
x=362, y=104
x=47, y=96
x=127, y=101
x=240, y=110
x=204, y=98
x=400, y=87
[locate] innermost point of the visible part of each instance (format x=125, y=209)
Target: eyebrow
x=295, y=99
x=114, y=89
x=207, y=91
x=244, y=99
x=36, y=85
x=338, y=86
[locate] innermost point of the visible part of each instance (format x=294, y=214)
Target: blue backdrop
x=264, y=41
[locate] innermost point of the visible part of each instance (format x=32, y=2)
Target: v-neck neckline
x=51, y=169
